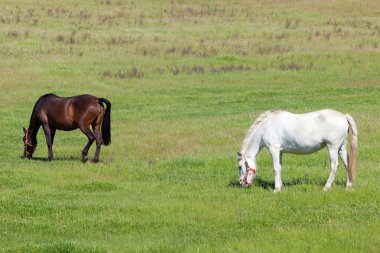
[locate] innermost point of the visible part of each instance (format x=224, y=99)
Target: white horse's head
x=247, y=173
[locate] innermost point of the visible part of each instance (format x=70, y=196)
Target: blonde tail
x=353, y=148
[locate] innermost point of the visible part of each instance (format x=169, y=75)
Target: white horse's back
x=304, y=133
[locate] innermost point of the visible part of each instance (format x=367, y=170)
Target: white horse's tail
x=353, y=148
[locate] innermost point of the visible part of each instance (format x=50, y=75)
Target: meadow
x=186, y=79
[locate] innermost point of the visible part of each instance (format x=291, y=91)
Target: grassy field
x=186, y=79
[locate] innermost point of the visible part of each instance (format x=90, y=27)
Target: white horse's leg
x=276, y=157
x=333, y=152
x=343, y=154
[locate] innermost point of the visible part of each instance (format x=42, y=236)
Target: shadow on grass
x=64, y=158
x=320, y=181
x=234, y=184
x=269, y=184
x=258, y=183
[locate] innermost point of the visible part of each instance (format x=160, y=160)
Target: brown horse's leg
x=52, y=133
x=98, y=137
x=91, y=138
x=47, y=132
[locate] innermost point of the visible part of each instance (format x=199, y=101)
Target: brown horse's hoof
x=95, y=160
x=84, y=159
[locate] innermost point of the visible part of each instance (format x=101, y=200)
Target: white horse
x=285, y=132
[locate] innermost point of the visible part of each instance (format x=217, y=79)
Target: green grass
x=186, y=80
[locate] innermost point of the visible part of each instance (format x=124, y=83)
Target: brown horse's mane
x=37, y=102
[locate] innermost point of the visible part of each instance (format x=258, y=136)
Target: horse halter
x=27, y=153
x=26, y=143
x=247, y=168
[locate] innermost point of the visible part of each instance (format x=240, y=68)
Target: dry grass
x=130, y=74
x=284, y=36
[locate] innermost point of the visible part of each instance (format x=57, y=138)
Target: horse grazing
x=53, y=112
x=285, y=132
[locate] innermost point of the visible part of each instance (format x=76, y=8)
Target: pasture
x=186, y=79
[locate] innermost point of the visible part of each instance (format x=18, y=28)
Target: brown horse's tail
x=106, y=124
x=354, y=148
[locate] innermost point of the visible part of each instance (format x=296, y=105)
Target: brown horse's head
x=28, y=146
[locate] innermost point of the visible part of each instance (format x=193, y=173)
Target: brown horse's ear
x=24, y=129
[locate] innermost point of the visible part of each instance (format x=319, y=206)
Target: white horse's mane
x=251, y=131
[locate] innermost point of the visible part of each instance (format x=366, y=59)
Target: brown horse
x=53, y=112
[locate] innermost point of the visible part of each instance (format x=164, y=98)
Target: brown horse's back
x=69, y=113
x=86, y=108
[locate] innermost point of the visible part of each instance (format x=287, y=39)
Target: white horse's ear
x=24, y=129
x=238, y=153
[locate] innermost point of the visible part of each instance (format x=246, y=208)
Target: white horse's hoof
x=277, y=190
x=325, y=189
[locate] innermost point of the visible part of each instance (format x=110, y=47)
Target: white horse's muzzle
x=247, y=179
